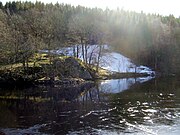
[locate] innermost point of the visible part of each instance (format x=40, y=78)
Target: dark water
x=111, y=107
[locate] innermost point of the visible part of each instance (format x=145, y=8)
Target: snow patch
x=109, y=60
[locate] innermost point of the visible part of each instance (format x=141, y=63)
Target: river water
x=110, y=107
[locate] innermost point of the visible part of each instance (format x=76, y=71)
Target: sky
x=162, y=7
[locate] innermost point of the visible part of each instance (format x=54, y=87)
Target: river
x=110, y=107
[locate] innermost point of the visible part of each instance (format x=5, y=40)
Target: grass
x=37, y=59
x=11, y=66
x=103, y=72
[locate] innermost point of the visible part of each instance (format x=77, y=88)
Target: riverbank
x=60, y=71
x=20, y=78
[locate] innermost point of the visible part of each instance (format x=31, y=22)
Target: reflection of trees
x=91, y=107
x=88, y=98
x=6, y=116
x=47, y=104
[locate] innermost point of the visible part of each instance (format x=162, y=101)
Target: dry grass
x=11, y=66
x=36, y=60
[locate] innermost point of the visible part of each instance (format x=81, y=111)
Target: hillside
x=109, y=60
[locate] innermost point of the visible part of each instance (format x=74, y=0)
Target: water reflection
x=118, y=85
x=149, y=108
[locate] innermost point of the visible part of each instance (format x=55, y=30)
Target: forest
x=148, y=39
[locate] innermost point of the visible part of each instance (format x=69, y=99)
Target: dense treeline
x=147, y=39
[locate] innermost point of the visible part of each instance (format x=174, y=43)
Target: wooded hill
x=148, y=39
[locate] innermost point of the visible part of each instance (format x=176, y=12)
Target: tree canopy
x=148, y=39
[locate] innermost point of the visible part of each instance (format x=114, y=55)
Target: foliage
x=148, y=39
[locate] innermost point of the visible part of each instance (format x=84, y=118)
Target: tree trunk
x=98, y=60
x=86, y=53
x=77, y=54
x=74, y=51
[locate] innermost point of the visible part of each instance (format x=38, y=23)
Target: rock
x=71, y=67
x=72, y=61
x=60, y=82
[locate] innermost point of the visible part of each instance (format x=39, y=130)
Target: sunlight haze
x=148, y=6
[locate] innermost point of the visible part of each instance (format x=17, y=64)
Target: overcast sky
x=162, y=7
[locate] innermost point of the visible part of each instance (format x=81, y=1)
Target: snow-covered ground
x=119, y=63
x=109, y=60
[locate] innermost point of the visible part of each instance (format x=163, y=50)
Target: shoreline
x=29, y=82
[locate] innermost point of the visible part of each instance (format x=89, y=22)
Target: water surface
x=111, y=107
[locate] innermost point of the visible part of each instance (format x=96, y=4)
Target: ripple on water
x=29, y=131
x=149, y=110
